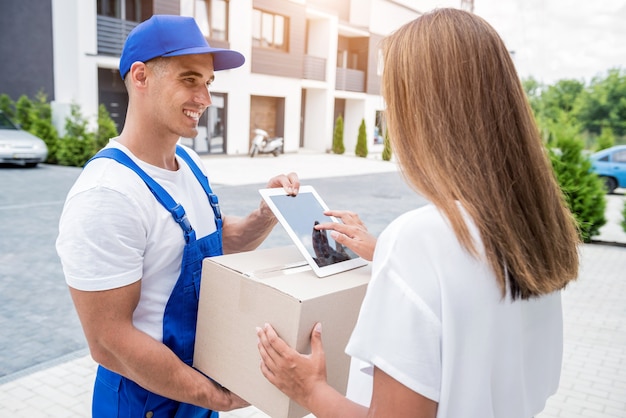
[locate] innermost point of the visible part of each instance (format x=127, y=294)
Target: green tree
x=24, y=112
x=550, y=103
x=338, y=147
x=555, y=103
x=533, y=89
x=107, y=128
x=42, y=126
x=386, y=147
x=361, y=142
x=78, y=145
x=583, y=190
x=560, y=97
x=606, y=139
x=7, y=106
x=624, y=216
x=603, y=103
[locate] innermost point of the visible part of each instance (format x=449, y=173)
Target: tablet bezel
x=324, y=271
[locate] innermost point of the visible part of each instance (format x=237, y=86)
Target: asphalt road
x=37, y=319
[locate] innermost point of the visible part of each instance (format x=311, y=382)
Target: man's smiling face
x=180, y=92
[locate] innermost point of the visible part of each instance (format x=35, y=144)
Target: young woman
x=462, y=317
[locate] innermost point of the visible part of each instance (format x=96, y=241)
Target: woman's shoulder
x=424, y=219
x=425, y=230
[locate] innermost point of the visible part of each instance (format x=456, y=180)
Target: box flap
x=286, y=270
x=264, y=260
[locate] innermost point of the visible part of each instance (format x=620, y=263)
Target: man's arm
x=106, y=317
x=245, y=234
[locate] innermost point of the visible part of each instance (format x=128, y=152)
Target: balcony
x=314, y=68
x=350, y=80
x=112, y=33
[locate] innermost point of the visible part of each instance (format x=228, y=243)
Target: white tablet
x=298, y=215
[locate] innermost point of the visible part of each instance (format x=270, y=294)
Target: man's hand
x=115, y=343
x=246, y=234
x=230, y=399
x=289, y=182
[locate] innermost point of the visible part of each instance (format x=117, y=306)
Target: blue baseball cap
x=170, y=36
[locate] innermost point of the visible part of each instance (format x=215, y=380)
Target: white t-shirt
x=114, y=232
x=433, y=319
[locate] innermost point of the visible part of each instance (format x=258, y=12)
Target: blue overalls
x=119, y=397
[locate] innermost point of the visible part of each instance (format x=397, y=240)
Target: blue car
x=610, y=165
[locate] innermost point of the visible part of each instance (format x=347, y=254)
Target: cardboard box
x=240, y=292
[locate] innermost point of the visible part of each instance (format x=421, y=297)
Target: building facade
x=307, y=62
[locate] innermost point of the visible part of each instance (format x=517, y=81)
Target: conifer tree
x=338, y=147
x=583, y=189
x=361, y=142
x=386, y=147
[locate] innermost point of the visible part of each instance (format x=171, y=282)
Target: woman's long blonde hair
x=462, y=130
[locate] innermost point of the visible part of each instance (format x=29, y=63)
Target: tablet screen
x=298, y=215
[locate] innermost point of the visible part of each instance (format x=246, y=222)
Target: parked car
x=610, y=165
x=18, y=146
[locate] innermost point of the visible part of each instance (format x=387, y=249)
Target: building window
x=211, y=138
x=211, y=16
x=347, y=59
x=269, y=30
x=380, y=128
x=120, y=9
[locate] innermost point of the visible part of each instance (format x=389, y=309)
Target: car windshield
x=5, y=122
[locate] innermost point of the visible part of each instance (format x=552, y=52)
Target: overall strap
x=204, y=181
x=177, y=211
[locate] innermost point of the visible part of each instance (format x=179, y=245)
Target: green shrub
x=24, y=112
x=107, y=128
x=361, y=142
x=624, y=216
x=338, y=147
x=606, y=139
x=583, y=190
x=7, y=106
x=78, y=145
x=42, y=126
x=386, y=147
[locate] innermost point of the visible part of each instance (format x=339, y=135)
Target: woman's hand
x=297, y=375
x=352, y=233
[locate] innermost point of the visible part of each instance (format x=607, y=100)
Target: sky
x=553, y=40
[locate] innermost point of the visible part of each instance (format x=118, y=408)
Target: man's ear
x=138, y=73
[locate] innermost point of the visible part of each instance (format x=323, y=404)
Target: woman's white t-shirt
x=113, y=232
x=434, y=319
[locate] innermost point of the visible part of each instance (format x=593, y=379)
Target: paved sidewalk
x=593, y=382
x=240, y=170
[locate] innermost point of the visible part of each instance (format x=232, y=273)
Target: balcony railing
x=350, y=80
x=314, y=68
x=112, y=33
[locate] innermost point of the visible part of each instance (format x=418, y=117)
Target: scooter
x=263, y=144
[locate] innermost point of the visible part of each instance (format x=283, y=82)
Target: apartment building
x=307, y=62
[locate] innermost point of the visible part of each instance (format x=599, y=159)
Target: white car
x=18, y=146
